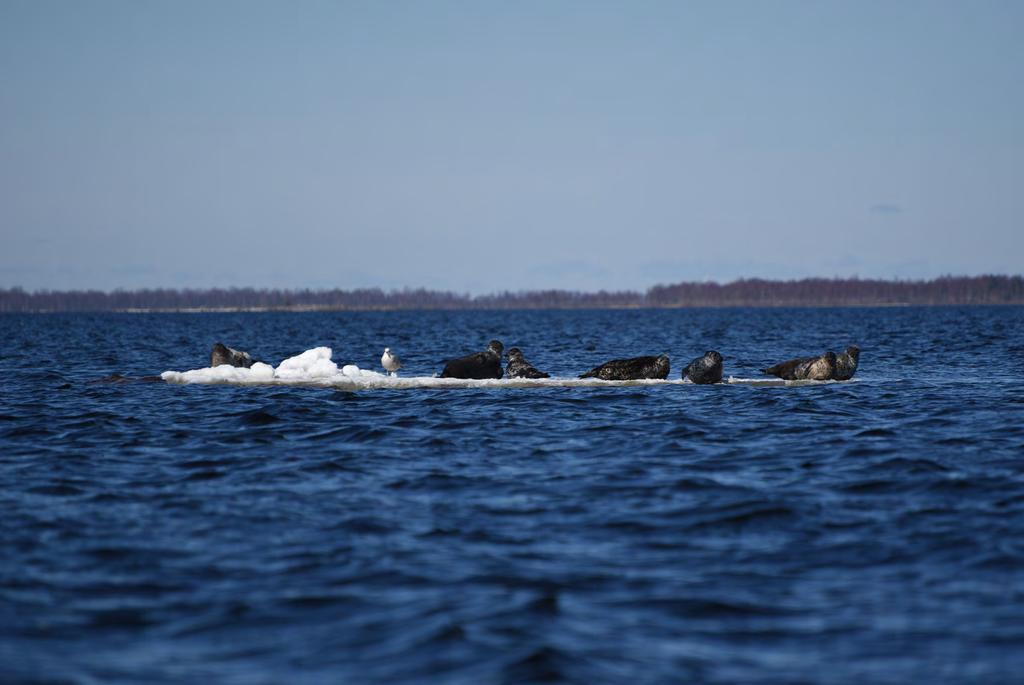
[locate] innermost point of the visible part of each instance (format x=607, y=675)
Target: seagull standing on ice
x=390, y=361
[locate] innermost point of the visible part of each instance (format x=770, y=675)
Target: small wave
x=120, y=619
x=258, y=418
x=771, y=512
x=34, y=431
x=58, y=490
x=202, y=464
x=913, y=465
x=332, y=466
x=875, y=433
x=204, y=475
x=874, y=486
x=543, y=665
x=319, y=601
x=710, y=608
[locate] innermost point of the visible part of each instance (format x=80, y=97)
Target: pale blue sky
x=481, y=146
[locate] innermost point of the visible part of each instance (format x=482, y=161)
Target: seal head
x=222, y=354
x=846, y=363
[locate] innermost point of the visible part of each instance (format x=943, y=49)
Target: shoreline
x=298, y=309
x=956, y=291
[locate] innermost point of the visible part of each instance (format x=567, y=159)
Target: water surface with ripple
x=868, y=531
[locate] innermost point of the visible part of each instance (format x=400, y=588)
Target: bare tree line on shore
x=753, y=292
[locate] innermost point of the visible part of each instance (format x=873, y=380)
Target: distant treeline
x=753, y=292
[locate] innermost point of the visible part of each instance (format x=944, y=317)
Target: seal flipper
x=846, y=363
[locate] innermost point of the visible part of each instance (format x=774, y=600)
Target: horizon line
x=508, y=292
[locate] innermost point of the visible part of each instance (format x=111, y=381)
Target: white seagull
x=390, y=361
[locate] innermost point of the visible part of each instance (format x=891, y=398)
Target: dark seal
x=486, y=364
x=222, y=354
x=705, y=370
x=518, y=367
x=633, y=369
x=846, y=363
x=805, y=368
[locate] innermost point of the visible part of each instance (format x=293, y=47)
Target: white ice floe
x=310, y=365
x=315, y=367
x=772, y=382
x=225, y=373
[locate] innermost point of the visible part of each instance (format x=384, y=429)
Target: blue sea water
x=867, y=531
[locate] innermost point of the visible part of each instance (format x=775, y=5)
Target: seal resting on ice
x=390, y=361
x=805, y=368
x=518, y=367
x=633, y=369
x=846, y=363
x=486, y=364
x=705, y=370
x=222, y=354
